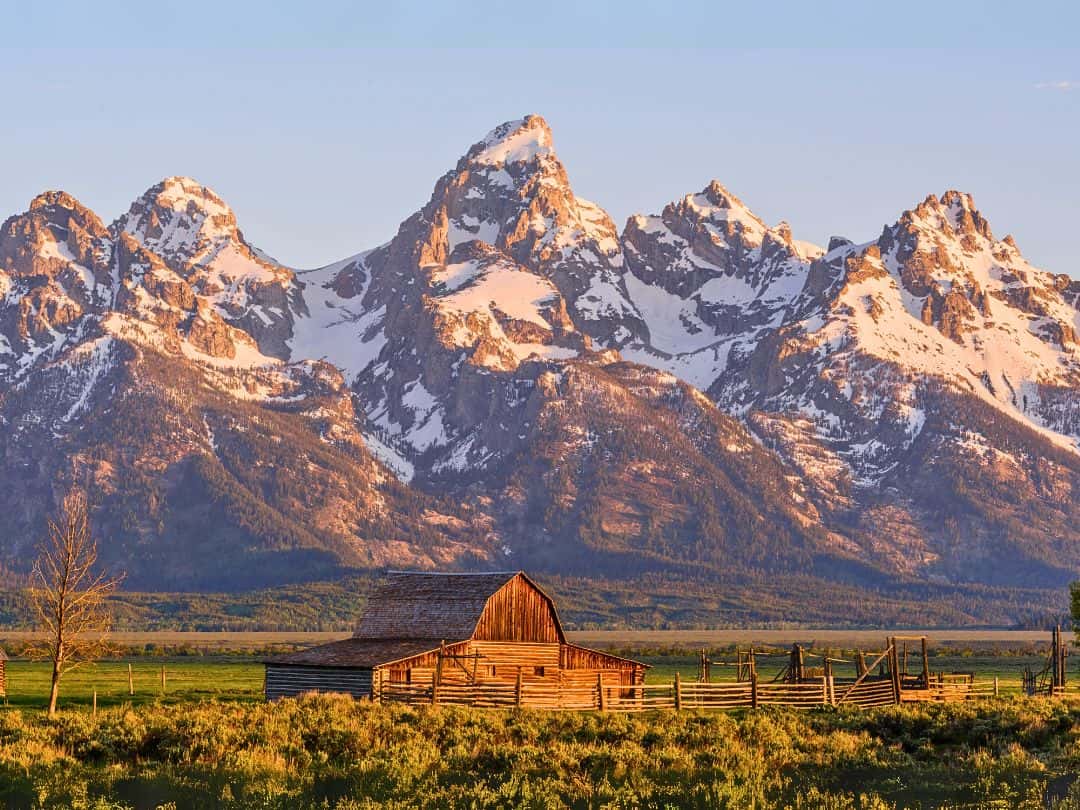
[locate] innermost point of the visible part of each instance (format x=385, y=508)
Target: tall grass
x=332, y=752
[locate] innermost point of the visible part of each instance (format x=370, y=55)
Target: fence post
x=894, y=670
x=824, y=690
x=996, y=692
x=95, y=703
x=753, y=691
x=678, y=692
x=600, y=691
x=163, y=679
x=438, y=674
x=131, y=682
x=831, y=689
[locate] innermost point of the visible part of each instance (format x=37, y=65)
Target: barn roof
x=355, y=652
x=427, y=605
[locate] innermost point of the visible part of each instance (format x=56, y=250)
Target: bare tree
x=68, y=593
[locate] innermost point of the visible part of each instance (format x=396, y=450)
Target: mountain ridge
x=521, y=382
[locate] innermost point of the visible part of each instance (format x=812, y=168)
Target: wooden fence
x=678, y=695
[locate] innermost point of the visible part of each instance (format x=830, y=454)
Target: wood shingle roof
x=428, y=606
x=361, y=653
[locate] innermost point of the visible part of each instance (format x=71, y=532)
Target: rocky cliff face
x=891, y=372
x=508, y=380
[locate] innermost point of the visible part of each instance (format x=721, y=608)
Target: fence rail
x=677, y=695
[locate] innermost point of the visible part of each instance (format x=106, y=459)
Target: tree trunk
x=54, y=692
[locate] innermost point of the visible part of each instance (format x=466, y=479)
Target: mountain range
x=511, y=381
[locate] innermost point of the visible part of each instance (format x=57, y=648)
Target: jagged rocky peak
x=55, y=232
x=195, y=233
x=513, y=142
x=711, y=231
x=954, y=212
x=707, y=275
x=944, y=251
x=511, y=191
x=54, y=272
x=719, y=207
x=181, y=220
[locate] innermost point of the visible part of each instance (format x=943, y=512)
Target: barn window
x=538, y=671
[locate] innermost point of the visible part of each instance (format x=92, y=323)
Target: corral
x=888, y=677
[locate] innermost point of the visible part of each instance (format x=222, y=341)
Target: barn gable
x=505, y=606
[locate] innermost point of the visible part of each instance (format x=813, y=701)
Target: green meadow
x=333, y=752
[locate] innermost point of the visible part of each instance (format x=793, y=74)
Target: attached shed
x=473, y=628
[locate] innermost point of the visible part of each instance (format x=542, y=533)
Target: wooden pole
x=600, y=691
x=894, y=670
x=131, y=682
x=95, y=703
x=996, y=692
x=438, y=674
x=163, y=679
x=678, y=692
x=925, y=664
x=753, y=691
x=517, y=690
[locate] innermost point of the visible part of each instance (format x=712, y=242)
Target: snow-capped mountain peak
x=519, y=141
x=195, y=233
x=182, y=221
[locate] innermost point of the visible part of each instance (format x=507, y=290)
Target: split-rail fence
x=679, y=694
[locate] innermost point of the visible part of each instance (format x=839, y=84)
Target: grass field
x=185, y=681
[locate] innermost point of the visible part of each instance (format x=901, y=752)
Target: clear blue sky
x=326, y=124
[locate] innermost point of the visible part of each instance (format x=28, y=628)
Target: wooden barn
x=425, y=628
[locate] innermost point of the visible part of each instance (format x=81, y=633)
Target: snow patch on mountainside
x=336, y=329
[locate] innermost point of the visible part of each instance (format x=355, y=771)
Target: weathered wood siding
x=3, y=681
x=289, y=681
x=498, y=661
x=579, y=658
x=518, y=612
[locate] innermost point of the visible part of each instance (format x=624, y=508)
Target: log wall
x=290, y=681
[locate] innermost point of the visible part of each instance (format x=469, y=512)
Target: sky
x=325, y=124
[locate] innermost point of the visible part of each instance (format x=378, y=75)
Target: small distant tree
x=69, y=593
